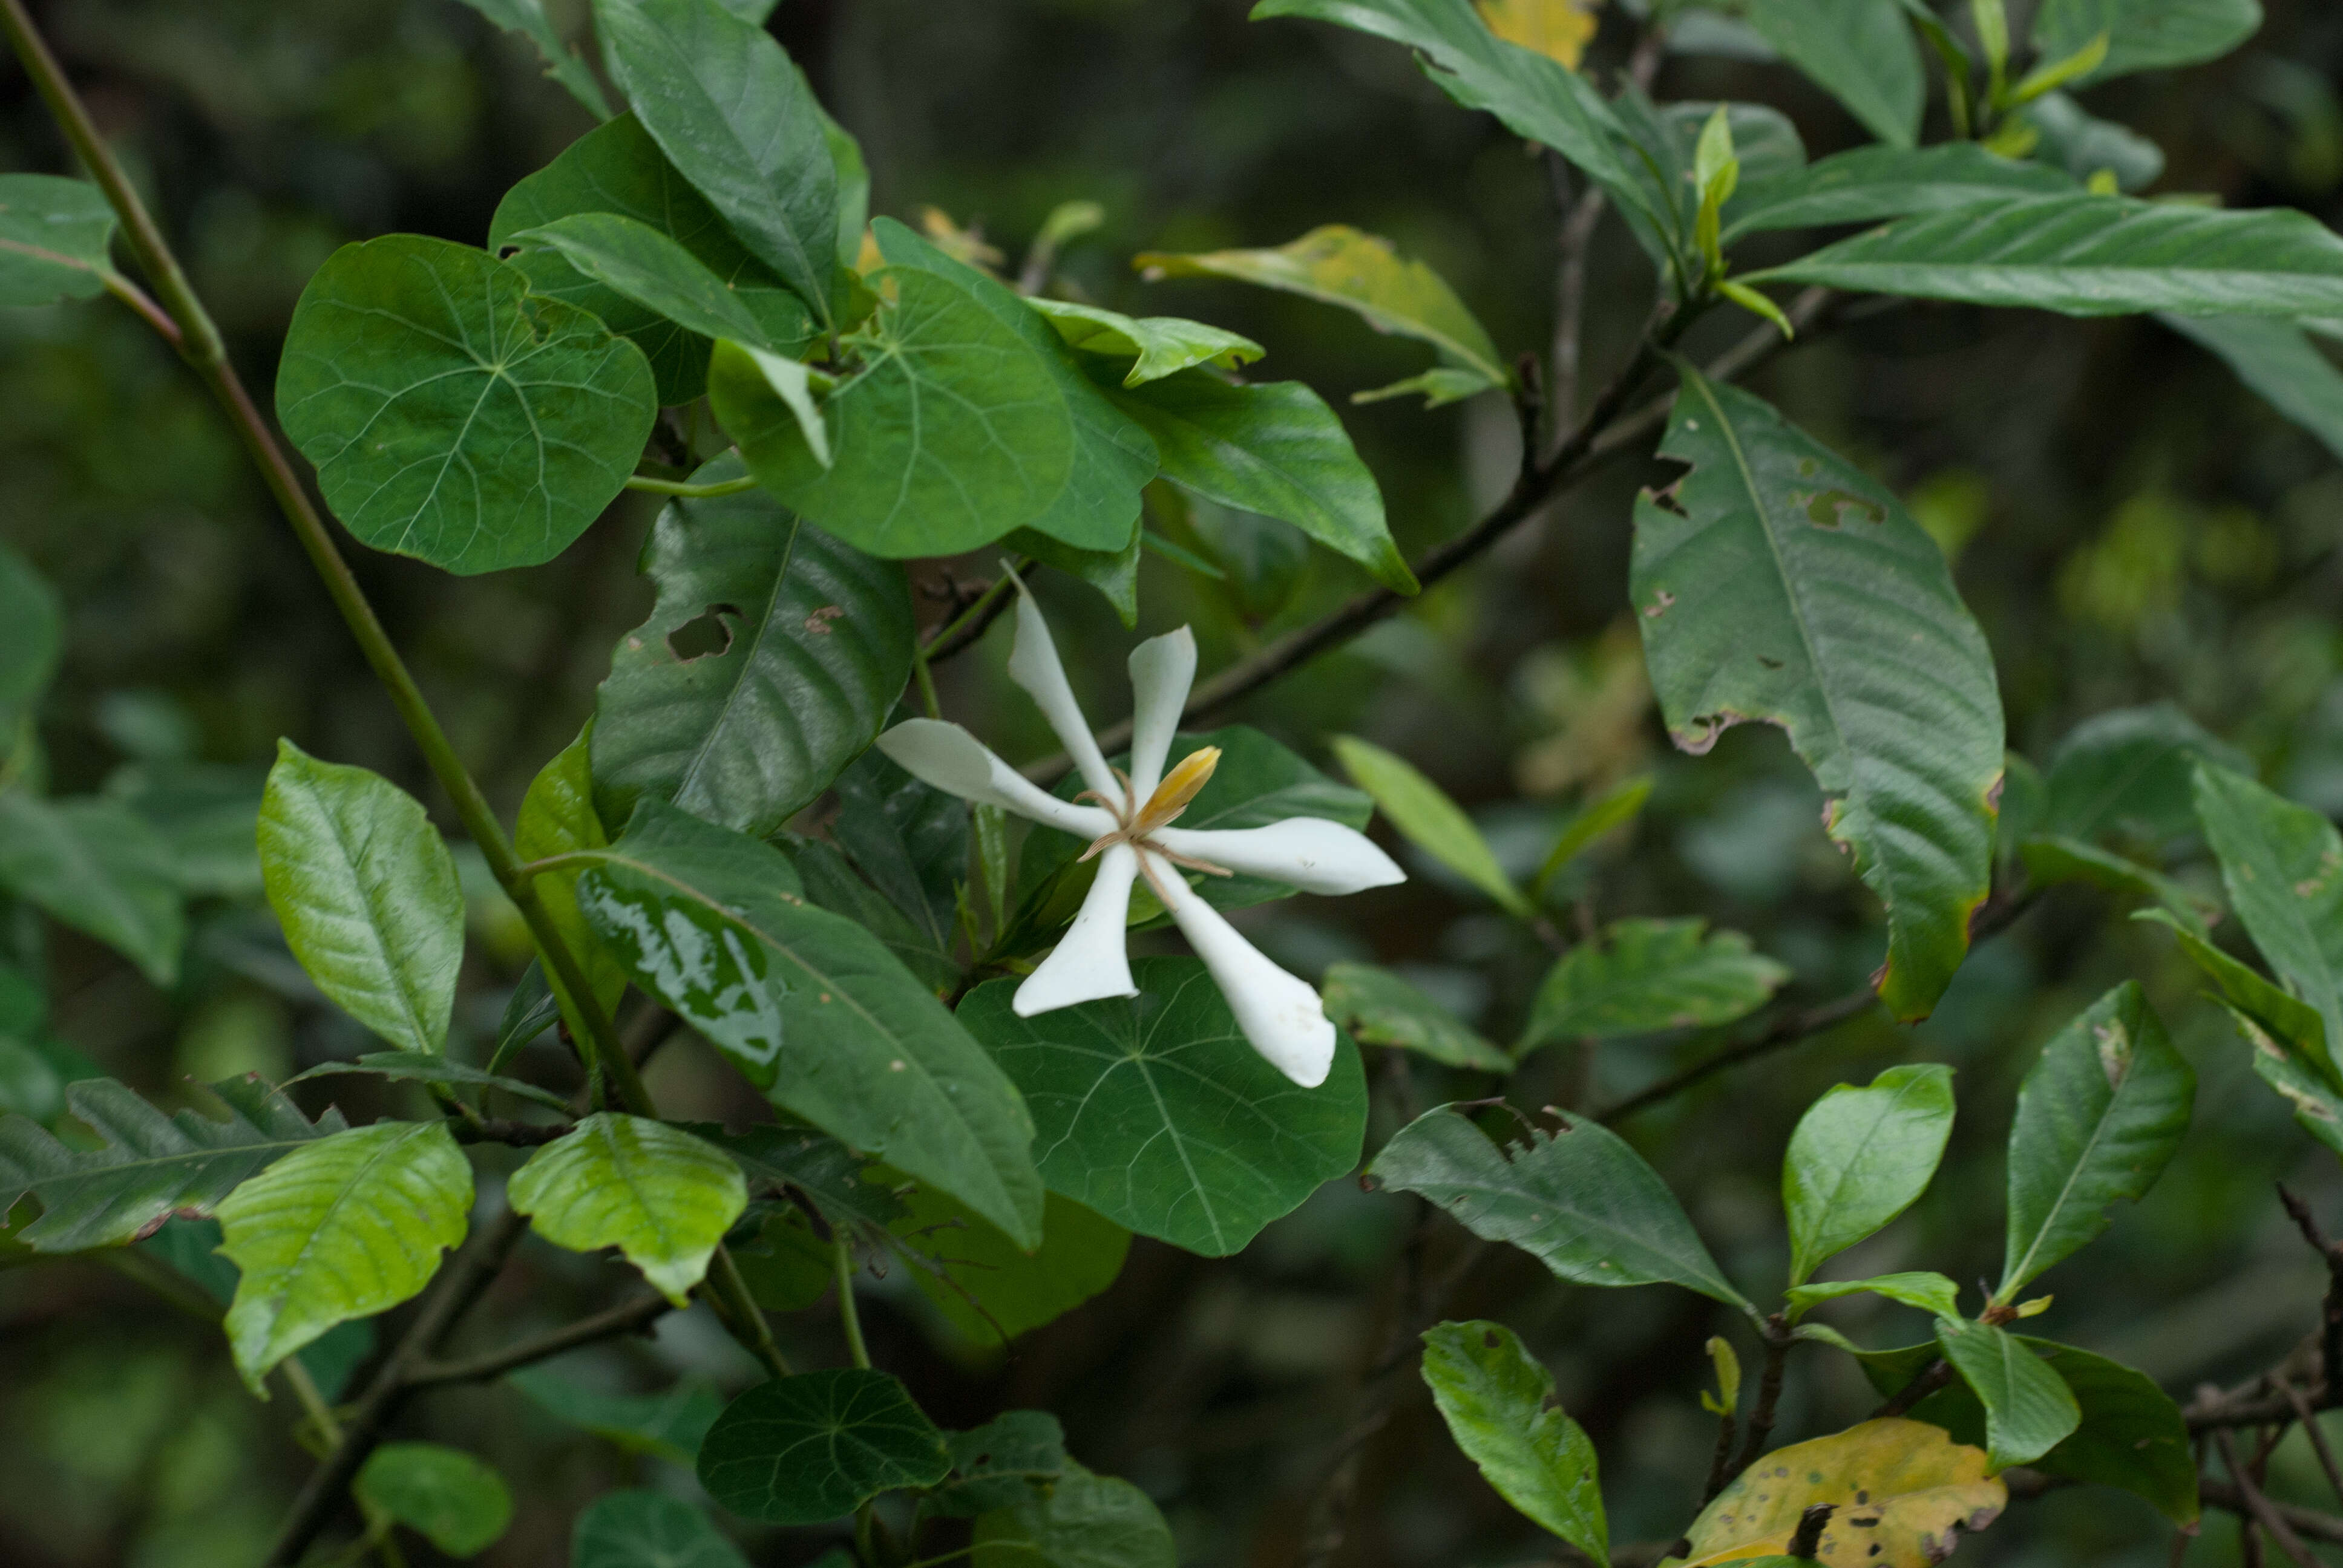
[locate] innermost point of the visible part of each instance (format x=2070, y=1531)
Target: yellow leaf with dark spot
x=1558, y=29
x=1905, y=1492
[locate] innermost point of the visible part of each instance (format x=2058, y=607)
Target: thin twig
x=1778, y=1341
x=2259, y=1508
x=2307, y=1524
x=1936, y=1374
x=629, y=1317
x=2330, y=1323
x=2308, y=1419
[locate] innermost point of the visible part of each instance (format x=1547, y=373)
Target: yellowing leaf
x=1558, y=29
x=1905, y=1492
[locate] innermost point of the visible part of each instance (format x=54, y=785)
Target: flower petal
x=1033, y=664
x=1306, y=852
x=948, y=757
x=1161, y=670
x=1281, y=1016
x=1091, y=960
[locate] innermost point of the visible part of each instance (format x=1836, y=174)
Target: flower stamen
x=1171, y=796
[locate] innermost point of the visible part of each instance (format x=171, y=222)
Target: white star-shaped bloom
x=1129, y=829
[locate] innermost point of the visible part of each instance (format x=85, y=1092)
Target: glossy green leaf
x=416, y=1067
x=1859, y=1157
x=1155, y=1112
x=1156, y=346
x=557, y=818
x=1642, y=976
x=367, y=892
x=1776, y=582
x=737, y=118
x=668, y=1425
x=457, y=1502
x=1275, y=449
x=97, y=867
x=1497, y=1401
x=813, y=647
x=2028, y=1409
x=990, y=1289
x=1428, y=819
x=1086, y=1521
x=2129, y=773
x=453, y=416
x=2278, y=360
x=1869, y=184
x=2145, y=34
x=2084, y=255
x=649, y=1530
x=562, y=62
x=620, y=169
x=36, y=622
x=1378, y=1008
x=911, y=841
x=656, y=1194
x=2283, y=866
x=190, y=1245
x=644, y=264
x=55, y=236
x=1013, y=1458
x=1860, y=52
x=967, y=419
x=810, y=1448
x=529, y=1011
x=345, y=1226
x=2098, y=1116
x=1931, y=1293
x=1580, y=1201
x=1338, y=264
x=147, y=1166
x=708, y=921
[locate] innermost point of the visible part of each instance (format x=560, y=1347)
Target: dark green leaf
x=1860, y=52
x=1778, y=583
x=2278, y=360
x=814, y=1447
x=563, y=63
x=2085, y=146
x=54, y=234
x=2098, y=1116
x=1579, y=1200
x=660, y=1195
x=2130, y=772
x=2145, y=34
x=649, y=1530
x=208, y=815
x=2050, y=861
x=452, y=415
x=528, y=1013
x=1860, y=1157
x=1873, y=183
x=642, y=263
x=814, y=1163
x=1378, y=1008
x=96, y=866
x=667, y=1425
x=1497, y=1401
x=1641, y=976
x=456, y=1501
x=1155, y=1111
x=911, y=841
x=2283, y=866
x=1086, y=1521
x=990, y=1289
x=831, y=881
x=36, y=622
x=413, y=1067
x=1011, y=1459
x=815, y=647
x=2028, y=1409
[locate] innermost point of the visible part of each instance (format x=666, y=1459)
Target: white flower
x=1131, y=834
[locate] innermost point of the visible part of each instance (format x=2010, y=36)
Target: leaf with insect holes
x=1919, y=1492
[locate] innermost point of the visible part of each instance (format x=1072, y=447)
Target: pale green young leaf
x=2145, y=34
x=1666, y=140
x=1869, y=184
x=557, y=818
x=1157, y=1113
x=1579, y=1200
x=55, y=239
x=2283, y=866
x=563, y=63
x=1428, y=819
x=1085, y=1520
x=96, y=866
x=2051, y=75
x=28, y=661
x=345, y=1226
x=815, y=647
x=660, y=1195
x=367, y=892
x=1860, y=52
x=1378, y=1008
x=452, y=415
x=1156, y=346
x=1642, y=976
x=459, y=1503
x=1931, y=1293
x=2099, y=1115
x=2028, y=1409
x=639, y=1529
x=1496, y=1400
x=2089, y=150
x=2278, y=360
x=806, y=1448
x=990, y=1289
x=1778, y=583
x=744, y=365
x=1605, y=813
x=1859, y=1157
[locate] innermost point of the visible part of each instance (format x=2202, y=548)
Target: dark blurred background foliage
x=2129, y=526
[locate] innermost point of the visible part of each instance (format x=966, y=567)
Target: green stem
x=927, y=687
x=650, y=486
x=731, y=1296
x=976, y=608
x=849, y=1315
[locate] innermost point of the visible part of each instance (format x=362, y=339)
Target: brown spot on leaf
x=817, y=623
x=1659, y=606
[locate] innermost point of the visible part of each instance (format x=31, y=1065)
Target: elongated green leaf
x=620, y=169
x=367, y=892
x=1156, y=346
x=1641, y=976
x=1605, y=813
x=1086, y=1522
x=557, y=818
x=36, y=622
x=2086, y=146
x=1433, y=822
x=2129, y=773
x=2028, y=1409
x=2098, y=1116
x=1873, y=183
x=208, y=815
x=814, y=1447
x=1155, y=1111
x=1579, y=1200
x=1274, y=450
x=1495, y=1400
x=1114, y=573
x=452, y=415
x=1860, y=52
x=737, y=118
x=2084, y=255
x=635, y=259
x=2145, y=34
x=1931, y=1293
x=1779, y=583
x=54, y=234
x=147, y=1166
x=1378, y=1008
x=343, y=1228
x=416, y=1067
x=710, y=922
x=1013, y=1458
x=815, y=647
x=668, y=1425
x=988, y=1287
x=96, y=866
x=454, y=1501
x=2283, y=866
x=656, y=1194
x=1338, y=264
x=563, y=63
x=2053, y=860
x=1667, y=140
x=1860, y=1157
x=2278, y=360
x=968, y=419
x=649, y=1530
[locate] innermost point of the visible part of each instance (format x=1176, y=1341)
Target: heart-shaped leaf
x=649, y=1530
x=814, y=1447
